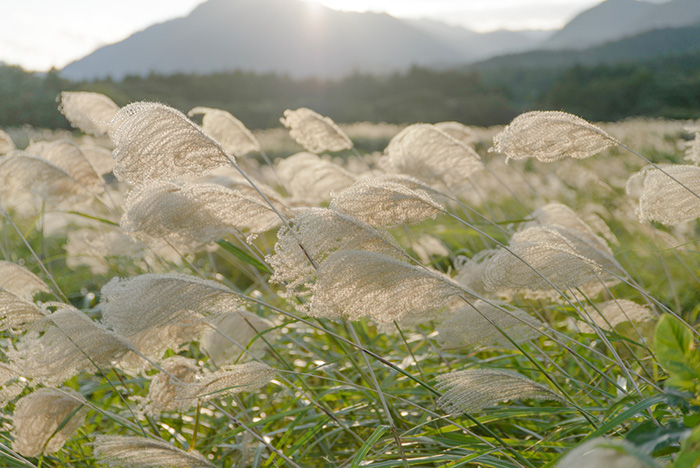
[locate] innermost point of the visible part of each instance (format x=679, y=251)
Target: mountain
x=290, y=37
x=616, y=19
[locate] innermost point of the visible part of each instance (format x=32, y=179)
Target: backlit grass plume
x=475, y=389
x=45, y=419
x=16, y=311
x=163, y=389
x=158, y=312
x=550, y=135
x=664, y=200
x=141, y=452
x=610, y=314
x=6, y=143
x=233, y=333
x=458, y=131
x=321, y=232
x=69, y=157
x=355, y=284
x=431, y=155
x=30, y=179
x=234, y=137
x=154, y=141
x=89, y=112
x=603, y=452
x=192, y=215
x=311, y=179
x=20, y=281
x=100, y=158
x=381, y=203
x=315, y=132
x=229, y=380
x=71, y=343
x=466, y=328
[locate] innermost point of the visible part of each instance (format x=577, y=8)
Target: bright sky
x=39, y=34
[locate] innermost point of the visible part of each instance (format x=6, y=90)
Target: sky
x=40, y=34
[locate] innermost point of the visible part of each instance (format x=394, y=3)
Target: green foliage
x=677, y=354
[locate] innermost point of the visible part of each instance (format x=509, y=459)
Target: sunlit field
x=176, y=290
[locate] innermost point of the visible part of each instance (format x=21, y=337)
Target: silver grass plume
x=24, y=178
x=71, y=343
x=38, y=418
x=550, y=135
x=465, y=327
x=315, y=132
x=192, y=215
x=612, y=313
x=140, y=452
x=355, y=284
x=163, y=390
x=100, y=158
x=470, y=271
x=232, y=179
x=663, y=199
x=6, y=143
x=429, y=154
x=321, y=232
x=154, y=141
x=475, y=389
x=234, y=137
x=69, y=157
x=229, y=380
x=158, y=312
x=11, y=384
x=89, y=112
x=567, y=258
x=232, y=333
x=603, y=452
x=311, y=179
x=458, y=131
x=385, y=204
x=692, y=151
x=20, y=281
x=15, y=311
x=98, y=248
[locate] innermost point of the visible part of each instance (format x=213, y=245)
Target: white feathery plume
x=11, y=385
x=315, y=132
x=38, y=417
x=692, y=151
x=321, y=232
x=97, y=248
x=24, y=178
x=475, y=389
x=663, y=199
x=154, y=141
x=71, y=343
x=192, y=215
x=458, y=131
x=229, y=380
x=470, y=271
x=602, y=452
x=429, y=154
x=465, y=327
x=427, y=247
x=158, y=312
x=234, y=137
x=6, y=143
x=232, y=179
x=616, y=312
x=69, y=157
x=16, y=311
x=20, y=281
x=232, y=333
x=380, y=203
x=566, y=258
x=100, y=158
x=140, y=452
x=89, y=112
x=163, y=390
x=355, y=284
x=550, y=135
x=311, y=179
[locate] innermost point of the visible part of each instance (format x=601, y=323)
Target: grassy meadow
x=179, y=291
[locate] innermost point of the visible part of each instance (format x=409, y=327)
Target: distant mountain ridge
x=291, y=37
x=617, y=19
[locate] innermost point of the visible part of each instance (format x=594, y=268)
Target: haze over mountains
x=295, y=38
